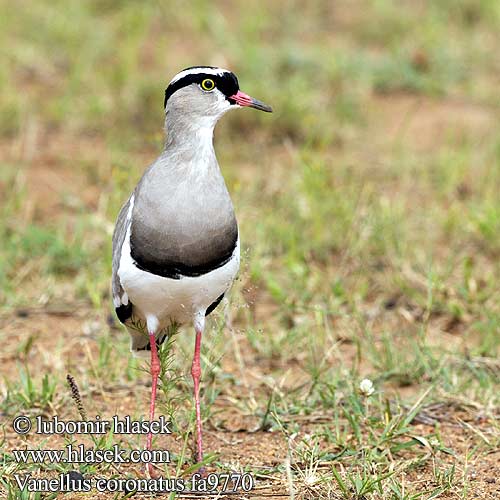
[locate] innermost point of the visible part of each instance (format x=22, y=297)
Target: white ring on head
x=197, y=71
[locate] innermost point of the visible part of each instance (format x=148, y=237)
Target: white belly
x=168, y=299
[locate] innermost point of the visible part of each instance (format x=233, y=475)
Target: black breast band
x=175, y=269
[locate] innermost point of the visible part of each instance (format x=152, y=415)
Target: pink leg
x=196, y=373
x=155, y=371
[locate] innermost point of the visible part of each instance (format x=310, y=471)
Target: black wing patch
x=124, y=312
x=214, y=304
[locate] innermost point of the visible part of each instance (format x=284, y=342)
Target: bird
x=176, y=246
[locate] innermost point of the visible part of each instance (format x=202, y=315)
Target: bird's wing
x=122, y=305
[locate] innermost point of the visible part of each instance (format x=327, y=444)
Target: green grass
x=369, y=212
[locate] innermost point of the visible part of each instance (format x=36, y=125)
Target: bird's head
x=205, y=93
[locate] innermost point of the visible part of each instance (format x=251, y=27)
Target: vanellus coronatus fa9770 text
x=176, y=242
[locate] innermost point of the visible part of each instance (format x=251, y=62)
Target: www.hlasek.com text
x=83, y=455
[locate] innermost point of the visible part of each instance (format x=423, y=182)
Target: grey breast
x=183, y=222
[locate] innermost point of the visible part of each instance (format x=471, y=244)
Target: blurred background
x=369, y=212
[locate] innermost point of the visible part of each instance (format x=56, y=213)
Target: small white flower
x=366, y=387
x=311, y=479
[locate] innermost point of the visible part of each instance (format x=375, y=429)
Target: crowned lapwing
x=176, y=246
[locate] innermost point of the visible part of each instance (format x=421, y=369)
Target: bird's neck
x=185, y=133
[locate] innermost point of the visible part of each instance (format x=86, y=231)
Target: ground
x=369, y=213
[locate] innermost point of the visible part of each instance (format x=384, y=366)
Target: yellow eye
x=207, y=84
